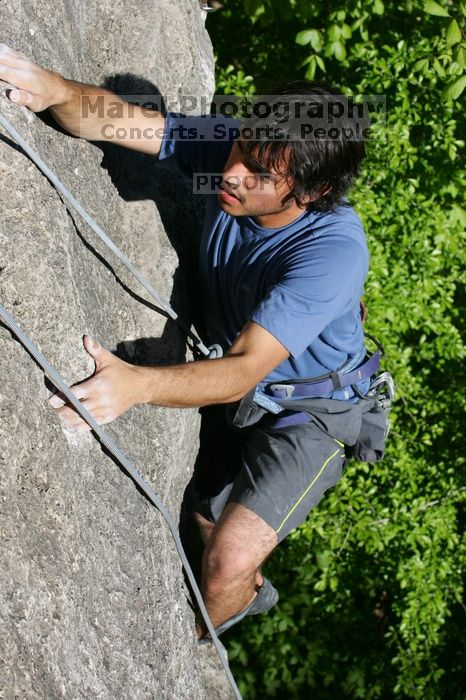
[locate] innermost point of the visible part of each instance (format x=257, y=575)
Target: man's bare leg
x=205, y=526
x=236, y=547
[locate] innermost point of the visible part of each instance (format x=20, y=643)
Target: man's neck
x=280, y=219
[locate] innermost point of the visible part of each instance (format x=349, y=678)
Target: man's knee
x=224, y=564
x=240, y=543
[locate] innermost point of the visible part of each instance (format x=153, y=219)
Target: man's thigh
x=285, y=474
x=279, y=475
x=218, y=463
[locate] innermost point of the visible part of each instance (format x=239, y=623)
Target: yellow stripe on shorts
x=329, y=459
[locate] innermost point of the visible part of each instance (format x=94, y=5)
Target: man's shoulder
x=340, y=225
x=342, y=216
x=197, y=144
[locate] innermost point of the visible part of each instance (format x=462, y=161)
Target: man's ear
x=309, y=198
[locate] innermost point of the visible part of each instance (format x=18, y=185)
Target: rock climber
x=283, y=261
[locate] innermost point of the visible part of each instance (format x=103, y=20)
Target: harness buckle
x=288, y=389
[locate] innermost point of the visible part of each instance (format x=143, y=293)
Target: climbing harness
x=285, y=401
x=212, y=352
x=129, y=468
x=382, y=389
x=322, y=386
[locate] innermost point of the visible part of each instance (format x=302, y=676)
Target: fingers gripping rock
x=22, y=98
x=31, y=86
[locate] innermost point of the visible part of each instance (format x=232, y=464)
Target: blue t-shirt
x=301, y=282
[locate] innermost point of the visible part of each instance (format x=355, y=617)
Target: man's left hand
x=115, y=387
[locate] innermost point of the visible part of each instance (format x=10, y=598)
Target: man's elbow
x=249, y=374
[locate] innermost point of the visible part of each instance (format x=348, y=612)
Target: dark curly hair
x=310, y=136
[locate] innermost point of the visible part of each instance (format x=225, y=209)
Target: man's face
x=245, y=193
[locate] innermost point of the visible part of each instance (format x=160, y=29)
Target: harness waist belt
x=322, y=387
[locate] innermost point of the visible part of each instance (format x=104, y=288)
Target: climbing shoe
x=267, y=596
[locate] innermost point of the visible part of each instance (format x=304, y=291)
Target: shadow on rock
x=136, y=177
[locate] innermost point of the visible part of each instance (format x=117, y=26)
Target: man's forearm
x=83, y=110
x=198, y=383
x=117, y=386
x=96, y=114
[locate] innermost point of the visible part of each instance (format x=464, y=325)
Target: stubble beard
x=258, y=211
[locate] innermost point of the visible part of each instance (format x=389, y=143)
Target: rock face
x=94, y=604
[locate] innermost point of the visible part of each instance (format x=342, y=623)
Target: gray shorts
x=279, y=474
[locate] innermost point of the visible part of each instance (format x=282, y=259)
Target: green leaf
x=339, y=50
x=459, y=214
x=346, y=31
x=311, y=69
x=452, y=151
x=433, y=8
x=439, y=69
x=461, y=56
x=306, y=61
x=304, y=37
x=334, y=32
x=454, y=90
x=312, y=61
x=312, y=37
x=323, y=559
x=320, y=63
x=378, y=7
x=453, y=33
x=421, y=65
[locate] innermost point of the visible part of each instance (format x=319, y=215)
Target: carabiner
x=382, y=388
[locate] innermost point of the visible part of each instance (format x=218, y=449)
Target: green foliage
x=234, y=82
x=372, y=586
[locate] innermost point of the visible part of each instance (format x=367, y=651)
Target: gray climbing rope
x=129, y=468
x=214, y=351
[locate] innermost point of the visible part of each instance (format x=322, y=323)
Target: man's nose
x=232, y=180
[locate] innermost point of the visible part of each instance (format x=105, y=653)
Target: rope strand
x=132, y=472
x=56, y=182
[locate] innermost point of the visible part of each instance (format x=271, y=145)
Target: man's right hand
x=34, y=87
x=37, y=89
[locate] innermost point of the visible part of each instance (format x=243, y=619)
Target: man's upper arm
x=261, y=351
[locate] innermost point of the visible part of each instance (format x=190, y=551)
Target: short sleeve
x=197, y=144
x=313, y=291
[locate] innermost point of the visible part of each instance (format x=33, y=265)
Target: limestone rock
x=94, y=603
